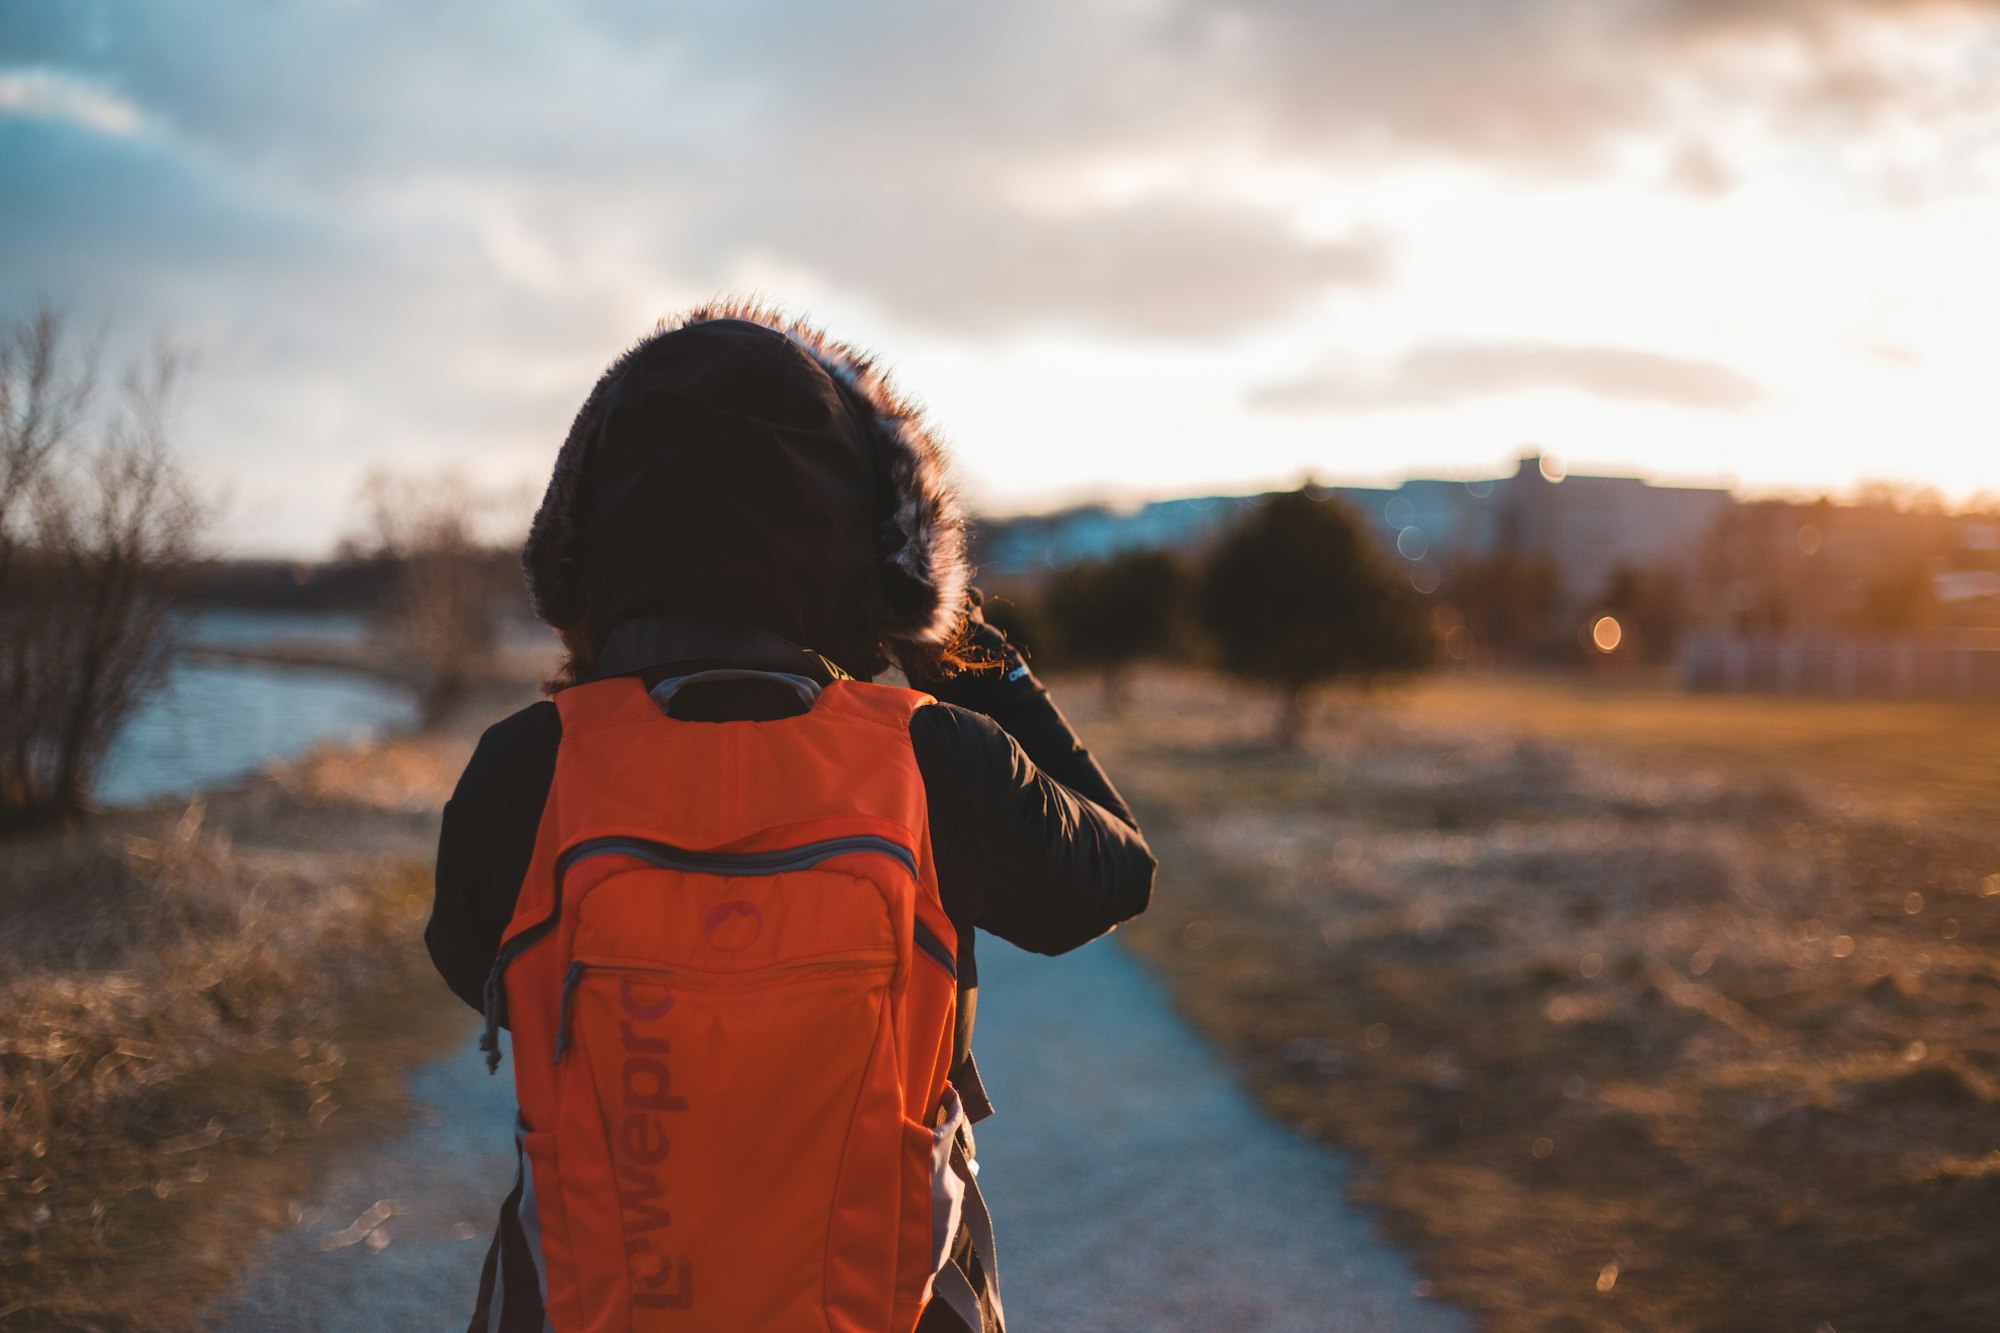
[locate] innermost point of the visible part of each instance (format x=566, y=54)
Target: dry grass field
x=197, y=1005
x=1641, y=1011
x=1921, y=760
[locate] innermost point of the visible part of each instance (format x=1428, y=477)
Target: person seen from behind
x=723, y=890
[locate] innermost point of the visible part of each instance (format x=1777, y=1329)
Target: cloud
x=1441, y=374
x=1560, y=85
x=1525, y=82
x=1169, y=269
x=868, y=145
x=1814, y=19
x=877, y=150
x=1699, y=169
x=47, y=94
x=104, y=213
x=405, y=231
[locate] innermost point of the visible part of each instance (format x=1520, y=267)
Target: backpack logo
x=733, y=926
x=640, y=1151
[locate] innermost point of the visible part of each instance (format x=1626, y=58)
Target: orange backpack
x=731, y=988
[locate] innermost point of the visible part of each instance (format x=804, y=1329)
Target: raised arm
x=1045, y=853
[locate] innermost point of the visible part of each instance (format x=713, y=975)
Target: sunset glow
x=1124, y=250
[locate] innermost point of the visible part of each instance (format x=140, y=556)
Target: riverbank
x=202, y=1000
x=1643, y=1011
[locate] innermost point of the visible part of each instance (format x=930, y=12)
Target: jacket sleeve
x=486, y=844
x=1034, y=843
x=1017, y=701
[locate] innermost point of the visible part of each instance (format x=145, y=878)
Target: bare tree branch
x=97, y=522
x=443, y=616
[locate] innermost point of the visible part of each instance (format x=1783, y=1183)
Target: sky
x=1129, y=248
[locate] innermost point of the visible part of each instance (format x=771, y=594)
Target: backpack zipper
x=570, y=980
x=934, y=949
x=735, y=863
x=574, y=978
x=667, y=857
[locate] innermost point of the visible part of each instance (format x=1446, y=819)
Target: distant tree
x=1902, y=596
x=1650, y=608
x=1020, y=615
x=1789, y=567
x=1902, y=497
x=1109, y=614
x=1508, y=601
x=97, y=524
x=1751, y=575
x=445, y=587
x=1299, y=595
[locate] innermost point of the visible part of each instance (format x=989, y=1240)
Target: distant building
x=1941, y=664
x=1036, y=544
x=1880, y=598
x=1585, y=526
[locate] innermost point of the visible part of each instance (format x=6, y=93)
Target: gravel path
x=1134, y=1188
x=396, y=1237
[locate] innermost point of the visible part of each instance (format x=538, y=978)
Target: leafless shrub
x=443, y=612
x=97, y=521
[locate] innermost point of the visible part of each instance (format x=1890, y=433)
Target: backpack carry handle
x=663, y=694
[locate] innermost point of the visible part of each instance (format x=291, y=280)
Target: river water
x=214, y=723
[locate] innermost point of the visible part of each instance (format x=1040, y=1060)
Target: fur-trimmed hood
x=741, y=465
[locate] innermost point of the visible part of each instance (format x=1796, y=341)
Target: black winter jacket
x=1032, y=842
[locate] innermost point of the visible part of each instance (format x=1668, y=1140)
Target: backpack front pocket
x=725, y=1052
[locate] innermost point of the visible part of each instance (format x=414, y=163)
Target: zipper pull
x=496, y=1004
x=570, y=980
